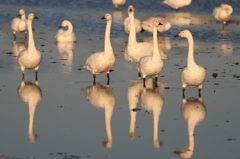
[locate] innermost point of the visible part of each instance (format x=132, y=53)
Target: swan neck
x=31, y=108
x=190, y=59
x=31, y=44
x=108, y=116
x=107, y=41
x=132, y=34
x=191, y=126
x=156, y=54
x=70, y=28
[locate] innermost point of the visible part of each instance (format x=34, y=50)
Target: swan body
x=151, y=65
x=135, y=50
x=31, y=57
x=101, y=62
x=176, y=4
x=148, y=25
x=222, y=13
x=102, y=97
x=193, y=75
x=127, y=26
x=19, y=25
x=30, y=93
x=66, y=35
x=118, y=3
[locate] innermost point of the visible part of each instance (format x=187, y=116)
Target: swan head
x=107, y=16
x=21, y=12
x=228, y=7
x=64, y=23
x=130, y=9
x=184, y=33
x=32, y=16
x=156, y=22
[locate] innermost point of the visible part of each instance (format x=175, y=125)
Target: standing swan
x=30, y=57
x=136, y=50
x=68, y=35
x=222, y=13
x=19, y=25
x=118, y=3
x=101, y=62
x=151, y=65
x=193, y=75
x=176, y=4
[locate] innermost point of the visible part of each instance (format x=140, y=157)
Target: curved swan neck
x=191, y=126
x=132, y=34
x=70, y=28
x=107, y=41
x=190, y=59
x=156, y=54
x=31, y=44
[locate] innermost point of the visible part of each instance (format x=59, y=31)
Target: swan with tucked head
x=222, y=13
x=118, y=3
x=102, y=62
x=136, y=50
x=19, y=25
x=151, y=65
x=193, y=75
x=30, y=58
x=66, y=35
x=147, y=24
x=176, y=4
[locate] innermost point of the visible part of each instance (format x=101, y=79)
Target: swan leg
x=139, y=75
x=108, y=78
x=36, y=75
x=183, y=92
x=156, y=79
x=199, y=92
x=22, y=75
x=223, y=26
x=144, y=80
x=14, y=35
x=94, y=79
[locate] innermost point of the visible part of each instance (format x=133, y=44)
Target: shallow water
x=70, y=122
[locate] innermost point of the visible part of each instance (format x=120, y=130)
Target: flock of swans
x=148, y=56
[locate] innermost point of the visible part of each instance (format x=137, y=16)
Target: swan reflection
x=66, y=52
x=193, y=111
x=118, y=16
x=17, y=47
x=164, y=43
x=225, y=41
x=150, y=99
x=102, y=97
x=31, y=94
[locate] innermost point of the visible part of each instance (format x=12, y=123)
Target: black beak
x=35, y=17
x=160, y=24
x=130, y=10
x=19, y=15
x=60, y=26
x=176, y=35
x=103, y=18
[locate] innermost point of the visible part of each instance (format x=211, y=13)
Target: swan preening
x=176, y=4
x=136, y=50
x=102, y=62
x=31, y=94
x=20, y=25
x=222, y=13
x=31, y=57
x=66, y=35
x=148, y=24
x=193, y=111
x=118, y=3
x=151, y=65
x=193, y=75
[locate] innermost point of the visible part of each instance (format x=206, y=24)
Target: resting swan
x=68, y=35
x=118, y=3
x=147, y=24
x=222, y=13
x=101, y=62
x=19, y=25
x=137, y=24
x=151, y=65
x=193, y=75
x=135, y=50
x=176, y=4
x=31, y=57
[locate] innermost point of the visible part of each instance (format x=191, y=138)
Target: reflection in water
x=102, y=97
x=163, y=42
x=17, y=47
x=31, y=94
x=194, y=111
x=118, y=16
x=225, y=41
x=66, y=51
x=151, y=99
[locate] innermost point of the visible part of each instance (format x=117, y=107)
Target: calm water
x=63, y=115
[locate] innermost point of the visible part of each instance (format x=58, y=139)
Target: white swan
x=176, y=4
x=101, y=62
x=31, y=57
x=222, y=13
x=102, y=97
x=19, y=25
x=193, y=111
x=17, y=47
x=30, y=93
x=118, y=3
x=135, y=50
x=193, y=75
x=148, y=25
x=127, y=26
x=66, y=35
x=151, y=65
x=164, y=42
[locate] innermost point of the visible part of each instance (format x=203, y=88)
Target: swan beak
x=35, y=17
x=103, y=17
x=160, y=23
x=60, y=26
x=176, y=35
x=179, y=34
x=19, y=15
